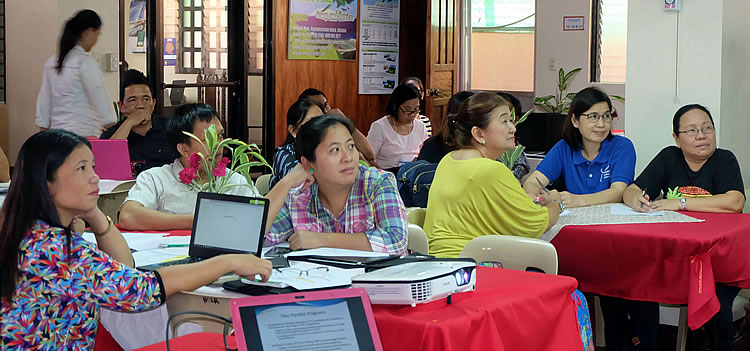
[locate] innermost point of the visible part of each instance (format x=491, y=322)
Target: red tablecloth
x=510, y=310
x=666, y=262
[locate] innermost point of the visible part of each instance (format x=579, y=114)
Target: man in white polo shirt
x=159, y=201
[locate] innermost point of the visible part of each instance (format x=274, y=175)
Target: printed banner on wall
x=137, y=26
x=322, y=30
x=378, y=46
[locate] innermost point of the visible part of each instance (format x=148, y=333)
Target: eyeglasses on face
x=594, y=116
x=409, y=112
x=692, y=132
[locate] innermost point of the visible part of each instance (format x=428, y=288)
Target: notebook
x=224, y=224
x=338, y=319
x=112, y=158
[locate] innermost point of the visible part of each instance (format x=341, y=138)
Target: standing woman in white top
x=397, y=137
x=72, y=96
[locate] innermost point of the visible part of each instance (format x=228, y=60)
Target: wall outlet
x=552, y=64
x=114, y=63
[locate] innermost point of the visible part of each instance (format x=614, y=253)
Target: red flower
x=220, y=170
x=194, y=161
x=187, y=175
x=224, y=161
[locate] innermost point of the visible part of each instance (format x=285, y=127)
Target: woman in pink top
x=397, y=137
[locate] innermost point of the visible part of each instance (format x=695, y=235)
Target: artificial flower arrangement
x=221, y=168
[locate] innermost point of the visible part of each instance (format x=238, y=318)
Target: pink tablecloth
x=665, y=262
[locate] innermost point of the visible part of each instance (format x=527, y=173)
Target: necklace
x=409, y=127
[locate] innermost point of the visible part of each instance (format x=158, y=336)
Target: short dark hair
x=401, y=94
x=313, y=132
x=513, y=101
x=296, y=114
x=476, y=111
x=685, y=109
x=184, y=120
x=29, y=199
x=310, y=92
x=413, y=79
x=133, y=77
x=581, y=103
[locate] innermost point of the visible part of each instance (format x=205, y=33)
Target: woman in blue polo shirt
x=595, y=165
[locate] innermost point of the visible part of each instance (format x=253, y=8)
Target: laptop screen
x=331, y=324
x=226, y=223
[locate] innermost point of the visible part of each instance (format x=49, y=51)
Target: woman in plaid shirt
x=335, y=202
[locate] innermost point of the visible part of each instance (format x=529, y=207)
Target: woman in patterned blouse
x=340, y=203
x=52, y=281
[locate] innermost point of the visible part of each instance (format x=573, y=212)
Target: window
x=190, y=21
x=609, y=40
x=507, y=24
x=255, y=37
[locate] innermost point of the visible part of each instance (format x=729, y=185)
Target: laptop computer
x=224, y=224
x=112, y=158
x=338, y=319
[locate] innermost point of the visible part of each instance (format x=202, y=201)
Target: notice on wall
x=170, y=51
x=322, y=30
x=378, y=46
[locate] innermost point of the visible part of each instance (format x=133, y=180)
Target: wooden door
x=441, y=79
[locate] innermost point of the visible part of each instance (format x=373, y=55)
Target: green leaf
x=572, y=72
x=561, y=76
x=618, y=98
x=523, y=118
x=211, y=137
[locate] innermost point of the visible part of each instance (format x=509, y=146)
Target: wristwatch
x=683, y=204
x=562, y=206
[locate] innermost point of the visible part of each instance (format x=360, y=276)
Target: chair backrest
x=110, y=203
x=417, y=240
x=415, y=215
x=126, y=185
x=262, y=184
x=513, y=252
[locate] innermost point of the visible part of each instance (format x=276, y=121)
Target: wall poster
x=322, y=30
x=378, y=46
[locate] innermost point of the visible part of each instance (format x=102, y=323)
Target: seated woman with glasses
x=332, y=200
x=596, y=165
x=694, y=176
x=397, y=137
x=54, y=282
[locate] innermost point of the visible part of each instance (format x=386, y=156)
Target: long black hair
x=29, y=199
x=296, y=114
x=82, y=21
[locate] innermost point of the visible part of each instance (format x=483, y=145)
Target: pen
x=164, y=246
x=544, y=188
x=643, y=194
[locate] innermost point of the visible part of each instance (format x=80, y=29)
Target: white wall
x=33, y=29
x=735, y=82
x=568, y=49
x=653, y=92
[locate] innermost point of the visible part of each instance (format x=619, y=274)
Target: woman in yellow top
x=474, y=195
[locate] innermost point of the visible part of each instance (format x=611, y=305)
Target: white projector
x=417, y=282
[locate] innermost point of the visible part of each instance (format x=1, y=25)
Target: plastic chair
x=262, y=184
x=513, y=252
x=110, y=203
x=415, y=215
x=417, y=241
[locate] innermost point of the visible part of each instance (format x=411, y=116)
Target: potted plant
x=219, y=169
x=560, y=102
